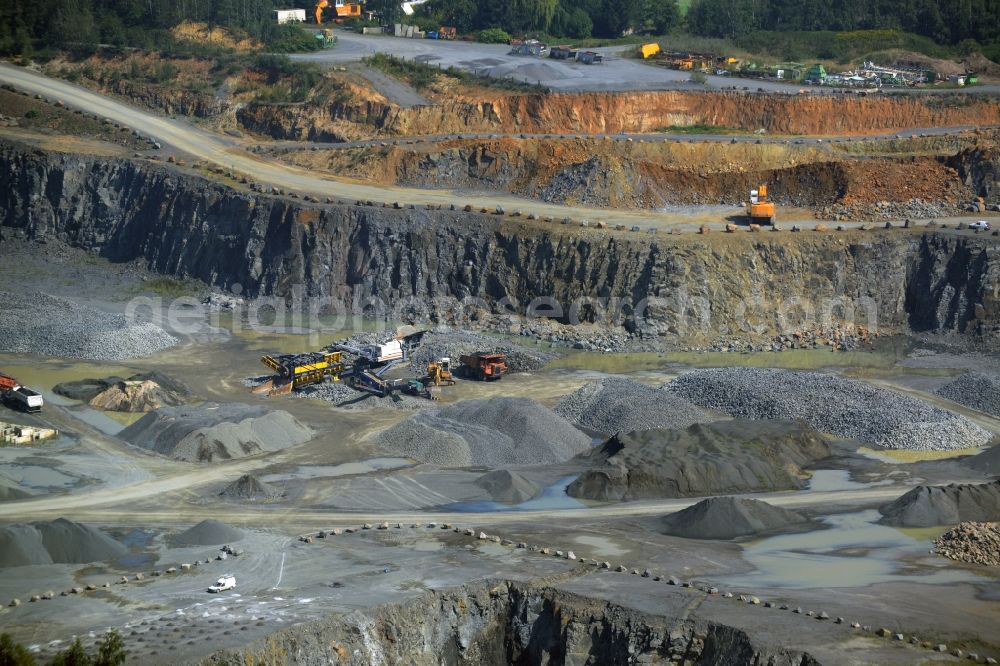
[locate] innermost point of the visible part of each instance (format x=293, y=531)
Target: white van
x=227, y=582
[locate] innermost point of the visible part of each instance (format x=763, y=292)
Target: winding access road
x=225, y=152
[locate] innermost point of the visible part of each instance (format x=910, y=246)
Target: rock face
x=213, y=431
x=729, y=518
x=726, y=457
x=498, y=623
x=928, y=506
x=191, y=227
x=508, y=487
x=59, y=541
x=612, y=113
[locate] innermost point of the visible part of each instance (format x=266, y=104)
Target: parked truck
x=484, y=366
x=226, y=582
x=20, y=397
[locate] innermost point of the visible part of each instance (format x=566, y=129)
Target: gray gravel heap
x=617, y=404
x=492, y=433
x=36, y=323
x=976, y=390
x=928, y=506
x=729, y=518
x=843, y=407
x=58, y=541
x=345, y=397
x=453, y=344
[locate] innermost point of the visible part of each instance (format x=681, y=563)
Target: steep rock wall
x=500, y=623
x=630, y=112
x=683, y=287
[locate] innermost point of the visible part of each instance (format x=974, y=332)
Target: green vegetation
x=110, y=652
x=421, y=76
x=28, y=27
x=701, y=129
x=493, y=36
x=166, y=287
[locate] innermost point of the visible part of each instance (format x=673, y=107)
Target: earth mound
x=617, y=404
x=492, y=433
x=508, y=487
x=209, y=532
x=725, y=457
x=829, y=403
x=928, y=506
x=58, y=542
x=249, y=488
x=214, y=431
x=142, y=392
x=9, y=490
x=728, y=518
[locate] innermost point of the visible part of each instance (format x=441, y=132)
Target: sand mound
x=617, y=404
x=141, y=392
x=493, y=433
x=725, y=457
x=215, y=431
x=59, y=541
x=135, y=396
x=249, y=487
x=928, y=506
x=728, y=518
x=209, y=532
x=508, y=487
x=11, y=491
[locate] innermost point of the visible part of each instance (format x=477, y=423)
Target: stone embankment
x=677, y=289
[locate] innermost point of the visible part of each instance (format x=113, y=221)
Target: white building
x=290, y=16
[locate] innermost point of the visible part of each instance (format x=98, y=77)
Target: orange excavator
x=344, y=10
x=760, y=209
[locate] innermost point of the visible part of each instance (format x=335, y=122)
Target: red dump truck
x=484, y=366
x=19, y=397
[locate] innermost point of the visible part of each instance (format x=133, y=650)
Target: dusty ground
x=341, y=479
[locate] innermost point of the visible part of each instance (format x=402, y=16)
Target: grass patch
x=167, y=287
x=702, y=129
x=421, y=76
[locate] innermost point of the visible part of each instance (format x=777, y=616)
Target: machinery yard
x=396, y=366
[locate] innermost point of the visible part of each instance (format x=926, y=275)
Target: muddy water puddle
x=552, y=498
x=854, y=551
x=368, y=466
x=832, y=480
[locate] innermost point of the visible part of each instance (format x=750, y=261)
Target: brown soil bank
x=617, y=112
x=652, y=175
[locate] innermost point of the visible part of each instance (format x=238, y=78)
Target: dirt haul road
x=215, y=149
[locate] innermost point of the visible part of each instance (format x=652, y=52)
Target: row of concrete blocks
x=123, y=580
x=646, y=573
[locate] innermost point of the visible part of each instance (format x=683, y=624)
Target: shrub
x=493, y=36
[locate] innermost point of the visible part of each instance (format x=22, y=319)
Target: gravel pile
x=976, y=390
x=843, y=407
x=345, y=397
x=491, y=433
x=617, y=404
x=59, y=541
x=453, y=344
x=975, y=543
x=249, y=488
x=729, y=518
x=211, y=431
x=209, y=532
x=36, y=323
x=927, y=506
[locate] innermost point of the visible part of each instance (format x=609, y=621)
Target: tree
x=111, y=651
x=14, y=654
x=661, y=14
x=74, y=655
